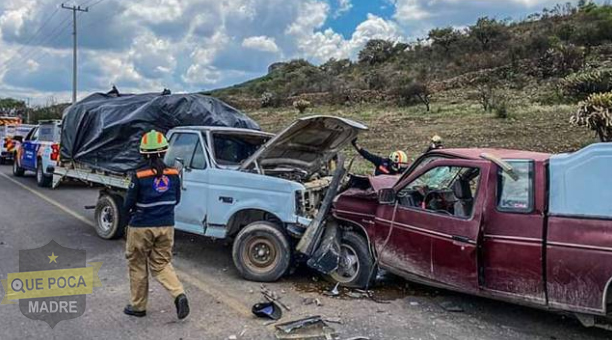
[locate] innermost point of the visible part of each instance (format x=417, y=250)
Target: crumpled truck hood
x=307, y=144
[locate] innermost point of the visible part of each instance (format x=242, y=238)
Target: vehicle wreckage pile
x=450, y=220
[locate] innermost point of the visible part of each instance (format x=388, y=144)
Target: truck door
x=30, y=150
x=514, y=233
x=436, y=224
x=191, y=213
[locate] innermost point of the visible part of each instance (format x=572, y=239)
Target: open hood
x=306, y=145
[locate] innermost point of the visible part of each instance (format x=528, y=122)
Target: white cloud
x=410, y=10
x=261, y=43
x=343, y=7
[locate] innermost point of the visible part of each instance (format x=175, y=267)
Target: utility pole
x=74, y=10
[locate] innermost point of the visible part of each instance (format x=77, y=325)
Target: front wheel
x=261, y=252
x=110, y=221
x=43, y=180
x=356, y=268
x=17, y=170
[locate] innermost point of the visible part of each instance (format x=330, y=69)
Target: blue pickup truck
x=39, y=152
x=260, y=190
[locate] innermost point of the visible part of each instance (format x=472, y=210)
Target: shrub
x=414, y=90
x=594, y=113
x=499, y=104
x=268, y=99
x=582, y=84
x=301, y=105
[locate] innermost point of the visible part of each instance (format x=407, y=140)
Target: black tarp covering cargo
x=103, y=131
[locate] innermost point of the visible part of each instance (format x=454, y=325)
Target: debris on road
x=313, y=327
x=268, y=310
x=450, y=306
x=272, y=296
x=333, y=292
x=312, y=301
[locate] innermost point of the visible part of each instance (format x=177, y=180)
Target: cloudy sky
x=191, y=45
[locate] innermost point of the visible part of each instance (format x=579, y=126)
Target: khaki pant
x=150, y=248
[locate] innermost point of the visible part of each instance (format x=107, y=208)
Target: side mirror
x=179, y=164
x=387, y=196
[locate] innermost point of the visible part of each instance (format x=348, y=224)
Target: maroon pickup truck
x=524, y=227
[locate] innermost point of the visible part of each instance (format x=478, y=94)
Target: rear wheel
x=42, y=179
x=17, y=170
x=261, y=252
x=356, y=267
x=110, y=220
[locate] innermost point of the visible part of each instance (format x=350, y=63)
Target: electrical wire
x=27, y=42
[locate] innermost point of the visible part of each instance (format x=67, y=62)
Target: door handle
x=462, y=239
x=225, y=199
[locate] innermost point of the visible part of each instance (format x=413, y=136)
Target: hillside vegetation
x=520, y=84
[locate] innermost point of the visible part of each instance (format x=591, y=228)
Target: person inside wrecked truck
x=395, y=164
x=154, y=192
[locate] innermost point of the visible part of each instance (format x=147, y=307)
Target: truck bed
x=83, y=173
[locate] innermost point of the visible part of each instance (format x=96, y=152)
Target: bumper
x=6, y=155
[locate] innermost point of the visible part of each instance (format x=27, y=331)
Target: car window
x=447, y=190
x=231, y=149
x=199, y=160
x=46, y=133
x=33, y=135
x=516, y=194
x=182, y=145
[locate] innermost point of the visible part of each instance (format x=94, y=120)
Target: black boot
x=129, y=310
x=182, y=306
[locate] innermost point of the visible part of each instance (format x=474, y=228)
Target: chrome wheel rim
x=349, y=267
x=106, y=219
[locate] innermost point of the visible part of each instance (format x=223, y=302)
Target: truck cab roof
x=476, y=153
x=222, y=129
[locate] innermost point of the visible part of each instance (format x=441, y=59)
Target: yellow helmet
x=400, y=158
x=153, y=142
x=436, y=139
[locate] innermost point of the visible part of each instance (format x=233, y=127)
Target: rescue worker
x=435, y=143
x=154, y=192
x=395, y=164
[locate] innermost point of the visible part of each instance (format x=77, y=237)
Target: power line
x=51, y=37
x=24, y=45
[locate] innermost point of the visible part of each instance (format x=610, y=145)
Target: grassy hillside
x=461, y=124
x=546, y=46
x=495, y=84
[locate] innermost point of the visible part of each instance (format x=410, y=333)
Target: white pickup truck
x=261, y=190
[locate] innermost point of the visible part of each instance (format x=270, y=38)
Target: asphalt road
x=31, y=217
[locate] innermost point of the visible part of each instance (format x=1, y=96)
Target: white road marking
x=199, y=283
x=51, y=201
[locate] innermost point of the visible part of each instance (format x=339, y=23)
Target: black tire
x=109, y=215
x=357, y=268
x=42, y=179
x=261, y=252
x=17, y=170
x=3, y=160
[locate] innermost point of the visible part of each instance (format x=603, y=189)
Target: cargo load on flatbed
x=103, y=131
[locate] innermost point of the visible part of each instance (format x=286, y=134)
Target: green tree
x=488, y=32
x=376, y=51
x=12, y=107
x=444, y=37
